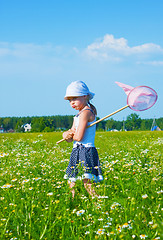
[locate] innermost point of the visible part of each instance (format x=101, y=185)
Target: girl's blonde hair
x=92, y=107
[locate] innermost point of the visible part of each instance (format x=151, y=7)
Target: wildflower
x=98, y=206
x=4, y=154
x=100, y=231
x=74, y=211
x=83, y=197
x=36, y=179
x=96, y=167
x=119, y=229
x=78, y=213
x=154, y=179
x=14, y=179
x=106, y=213
x=108, y=225
x=144, y=196
x=25, y=181
x=87, y=232
x=11, y=204
x=114, y=205
x=150, y=223
x=125, y=225
x=7, y=185
x=88, y=225
x=143, y=236
x=102, y=196
x=160, y=192
x=145, y=151
x=50, y=194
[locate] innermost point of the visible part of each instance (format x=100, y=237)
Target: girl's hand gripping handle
x=68, y=136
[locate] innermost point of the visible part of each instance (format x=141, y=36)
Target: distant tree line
x=58, y=123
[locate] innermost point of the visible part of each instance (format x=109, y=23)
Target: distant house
x=11, y=130
x=27, y=127
x=2, y=130
x=114, y=130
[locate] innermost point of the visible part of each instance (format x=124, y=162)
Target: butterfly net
x=141, y=98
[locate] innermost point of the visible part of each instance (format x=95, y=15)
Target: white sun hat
x=77, y=89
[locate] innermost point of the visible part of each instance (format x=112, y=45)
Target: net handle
x=101, y=119
x=111, y=114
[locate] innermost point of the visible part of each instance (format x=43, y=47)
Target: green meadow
x=35, y=201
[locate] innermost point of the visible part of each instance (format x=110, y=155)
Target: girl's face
x=78, y=103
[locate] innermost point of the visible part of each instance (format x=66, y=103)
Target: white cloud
x=107, y=48
x=153, y=63
x=110, y=48
x=24, y=58
x=28, y=50
x=146, y=48
x=109, y=42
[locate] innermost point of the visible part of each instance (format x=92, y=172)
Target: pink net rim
x=156, y=96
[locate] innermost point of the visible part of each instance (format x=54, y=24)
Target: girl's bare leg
x=72, y=185
x=90, y=189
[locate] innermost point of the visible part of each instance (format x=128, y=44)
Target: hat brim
x=67, y=97
x=90, y=94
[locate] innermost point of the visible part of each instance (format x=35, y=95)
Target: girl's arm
x=68, y=135
x=84, y=118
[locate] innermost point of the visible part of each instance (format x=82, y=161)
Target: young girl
x=84, y=151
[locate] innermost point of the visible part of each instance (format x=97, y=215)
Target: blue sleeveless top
x=89, y=135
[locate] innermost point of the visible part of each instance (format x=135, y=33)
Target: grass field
x=35, y=201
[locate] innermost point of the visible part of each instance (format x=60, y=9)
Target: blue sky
x=45, y=45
